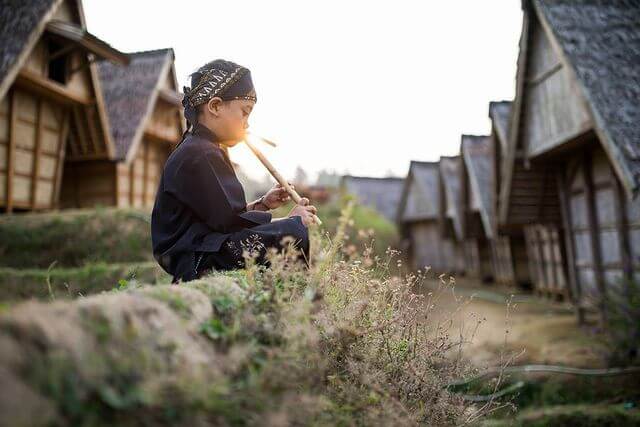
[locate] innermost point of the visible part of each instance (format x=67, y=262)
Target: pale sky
x=353, y=86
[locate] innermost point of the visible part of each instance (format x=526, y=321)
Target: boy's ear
x=214, y=105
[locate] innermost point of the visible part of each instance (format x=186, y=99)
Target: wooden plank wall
x=472, y=258
x=554, y=110
x=502, y=261
x=88, y=184
x=605, y=229
x=544, y=247
x=427, y=246
x=138, y=182
x=33, y=133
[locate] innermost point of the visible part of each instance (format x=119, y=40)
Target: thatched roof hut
x=51, y=107
x=511, y=264
x=576, y=126
x=451, y=212
x=419, y=217
x=145, y=118
x=477, y=204
x=381, y=194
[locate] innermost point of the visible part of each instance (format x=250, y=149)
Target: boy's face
x=233, y=120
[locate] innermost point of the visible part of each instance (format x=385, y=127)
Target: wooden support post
x=568, y=249
x=11, y=149
x=594, y=232
x=145, y=174
x=116, y=184
x=35, y=167
x=622, y=222
x=131, y=183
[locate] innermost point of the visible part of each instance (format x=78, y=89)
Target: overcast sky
x=352, y=86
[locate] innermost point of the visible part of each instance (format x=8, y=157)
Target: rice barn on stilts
x=145, y=118
x=576, y=128
x=51, y=106
x=477, y=212
x=418, y=218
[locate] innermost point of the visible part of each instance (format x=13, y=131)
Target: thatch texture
x=420, y=198
x=19, y=19
x=601, y=40
x=129, y=94
x=478, y=161
x=381, y=194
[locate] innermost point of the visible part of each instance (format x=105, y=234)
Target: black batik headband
x=226, y=85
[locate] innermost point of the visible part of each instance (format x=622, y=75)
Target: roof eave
x=87, y=41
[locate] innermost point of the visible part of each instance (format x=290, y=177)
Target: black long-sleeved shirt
x=198, y=204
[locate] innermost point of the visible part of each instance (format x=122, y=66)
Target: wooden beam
x=86, y=157
x=55, y=196
x=11, y=148
x=568, y=249
x=95, y=140
x=158, y=137
x=544, y=74
x=35, y=173
x=170, y=97
x=56, y=92
x=594, y=233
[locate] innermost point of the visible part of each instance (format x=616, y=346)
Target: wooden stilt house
x=477, y=206
x=49, y=97
x=576, y=128
x=451, y=213
x=419, y=218
x=145, y=119
x=381, y=194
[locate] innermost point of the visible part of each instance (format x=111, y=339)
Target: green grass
x=60, y=283
x=618, y=415
x=74, y=239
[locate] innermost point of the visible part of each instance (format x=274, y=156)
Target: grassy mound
x=57, y=283
x=73, y=239
x=339, y=344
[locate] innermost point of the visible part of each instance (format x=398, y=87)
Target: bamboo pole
x=283, y=182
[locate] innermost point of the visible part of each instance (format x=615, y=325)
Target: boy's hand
x=305, y=211
x=276, y=197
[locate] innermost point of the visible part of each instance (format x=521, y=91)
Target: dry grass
x=345, y=343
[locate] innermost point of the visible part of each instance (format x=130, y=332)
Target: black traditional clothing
x=200, y=207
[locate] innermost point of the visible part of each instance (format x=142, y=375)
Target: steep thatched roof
x=130, y=93
x=382, y=194
x=451, y=176
x=478, y=160
x=21, y=23
x=500, y=113
x=601, y=41
x=420, y=199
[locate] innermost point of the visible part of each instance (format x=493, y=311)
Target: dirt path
x=546, y=332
